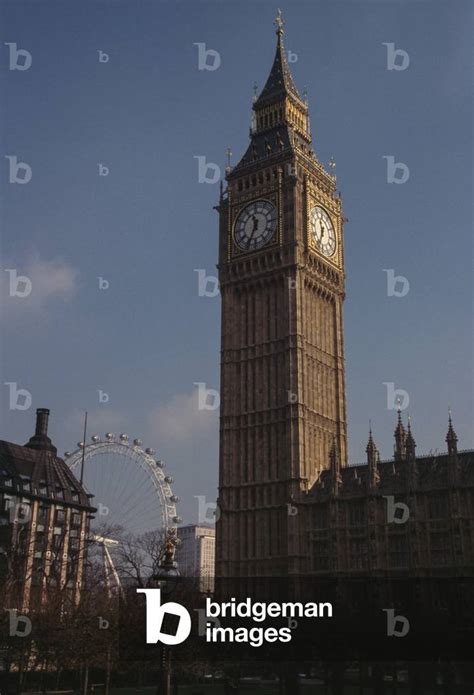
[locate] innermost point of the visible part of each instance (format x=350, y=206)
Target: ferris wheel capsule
x=137, y=442
x=109, y=436
x=67, y=454
x=169, y=479
x=80, y=445
x=95, y=438
x=174, y=498
x=177, y=519
x=124, y=437
x=160, y=463
x=149, y=451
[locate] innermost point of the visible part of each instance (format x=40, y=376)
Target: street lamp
x=165, y=578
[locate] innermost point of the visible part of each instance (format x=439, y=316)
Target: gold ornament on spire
x=279, y=23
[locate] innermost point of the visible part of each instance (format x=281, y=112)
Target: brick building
x=44, y=520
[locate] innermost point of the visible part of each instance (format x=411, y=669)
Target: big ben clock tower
x=281, y=272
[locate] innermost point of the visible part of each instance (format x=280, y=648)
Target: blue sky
x=145, y=114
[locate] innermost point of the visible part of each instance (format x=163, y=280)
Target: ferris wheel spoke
x=126, y=497
x=134, y=503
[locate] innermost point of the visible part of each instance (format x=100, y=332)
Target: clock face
x=323, y=231
x=255, y=226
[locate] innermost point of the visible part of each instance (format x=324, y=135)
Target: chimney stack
x=42, y=417
x=40, y=439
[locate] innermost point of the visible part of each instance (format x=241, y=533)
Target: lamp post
x=165, y=577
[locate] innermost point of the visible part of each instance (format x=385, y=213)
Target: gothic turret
x=410, y=444
x=453, y=462
x=372, y=461
x=451, y=438
x=410, y=454
x=400, y=437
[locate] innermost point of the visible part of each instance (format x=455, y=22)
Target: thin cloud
x=34, y=286
x=181, y=420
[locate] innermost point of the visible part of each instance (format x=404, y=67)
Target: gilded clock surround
x=332, y=206
x=314, y=243
x=238, y=208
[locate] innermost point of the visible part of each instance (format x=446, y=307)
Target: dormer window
x=25, y=483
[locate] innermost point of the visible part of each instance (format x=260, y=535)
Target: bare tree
x=138, y=558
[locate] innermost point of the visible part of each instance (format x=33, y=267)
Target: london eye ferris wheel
x=130, y=487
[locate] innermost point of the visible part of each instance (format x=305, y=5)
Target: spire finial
x=279, y=23
x=229, y=155
x=255, y=91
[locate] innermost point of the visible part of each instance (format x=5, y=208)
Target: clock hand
x=255, y=229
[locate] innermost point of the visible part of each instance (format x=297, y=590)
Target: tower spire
x=372, y=460
x=400, y=438
x=370, y=448
x=280, y=116
x=451, y=437
x=410, y=444
x=280, y=81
